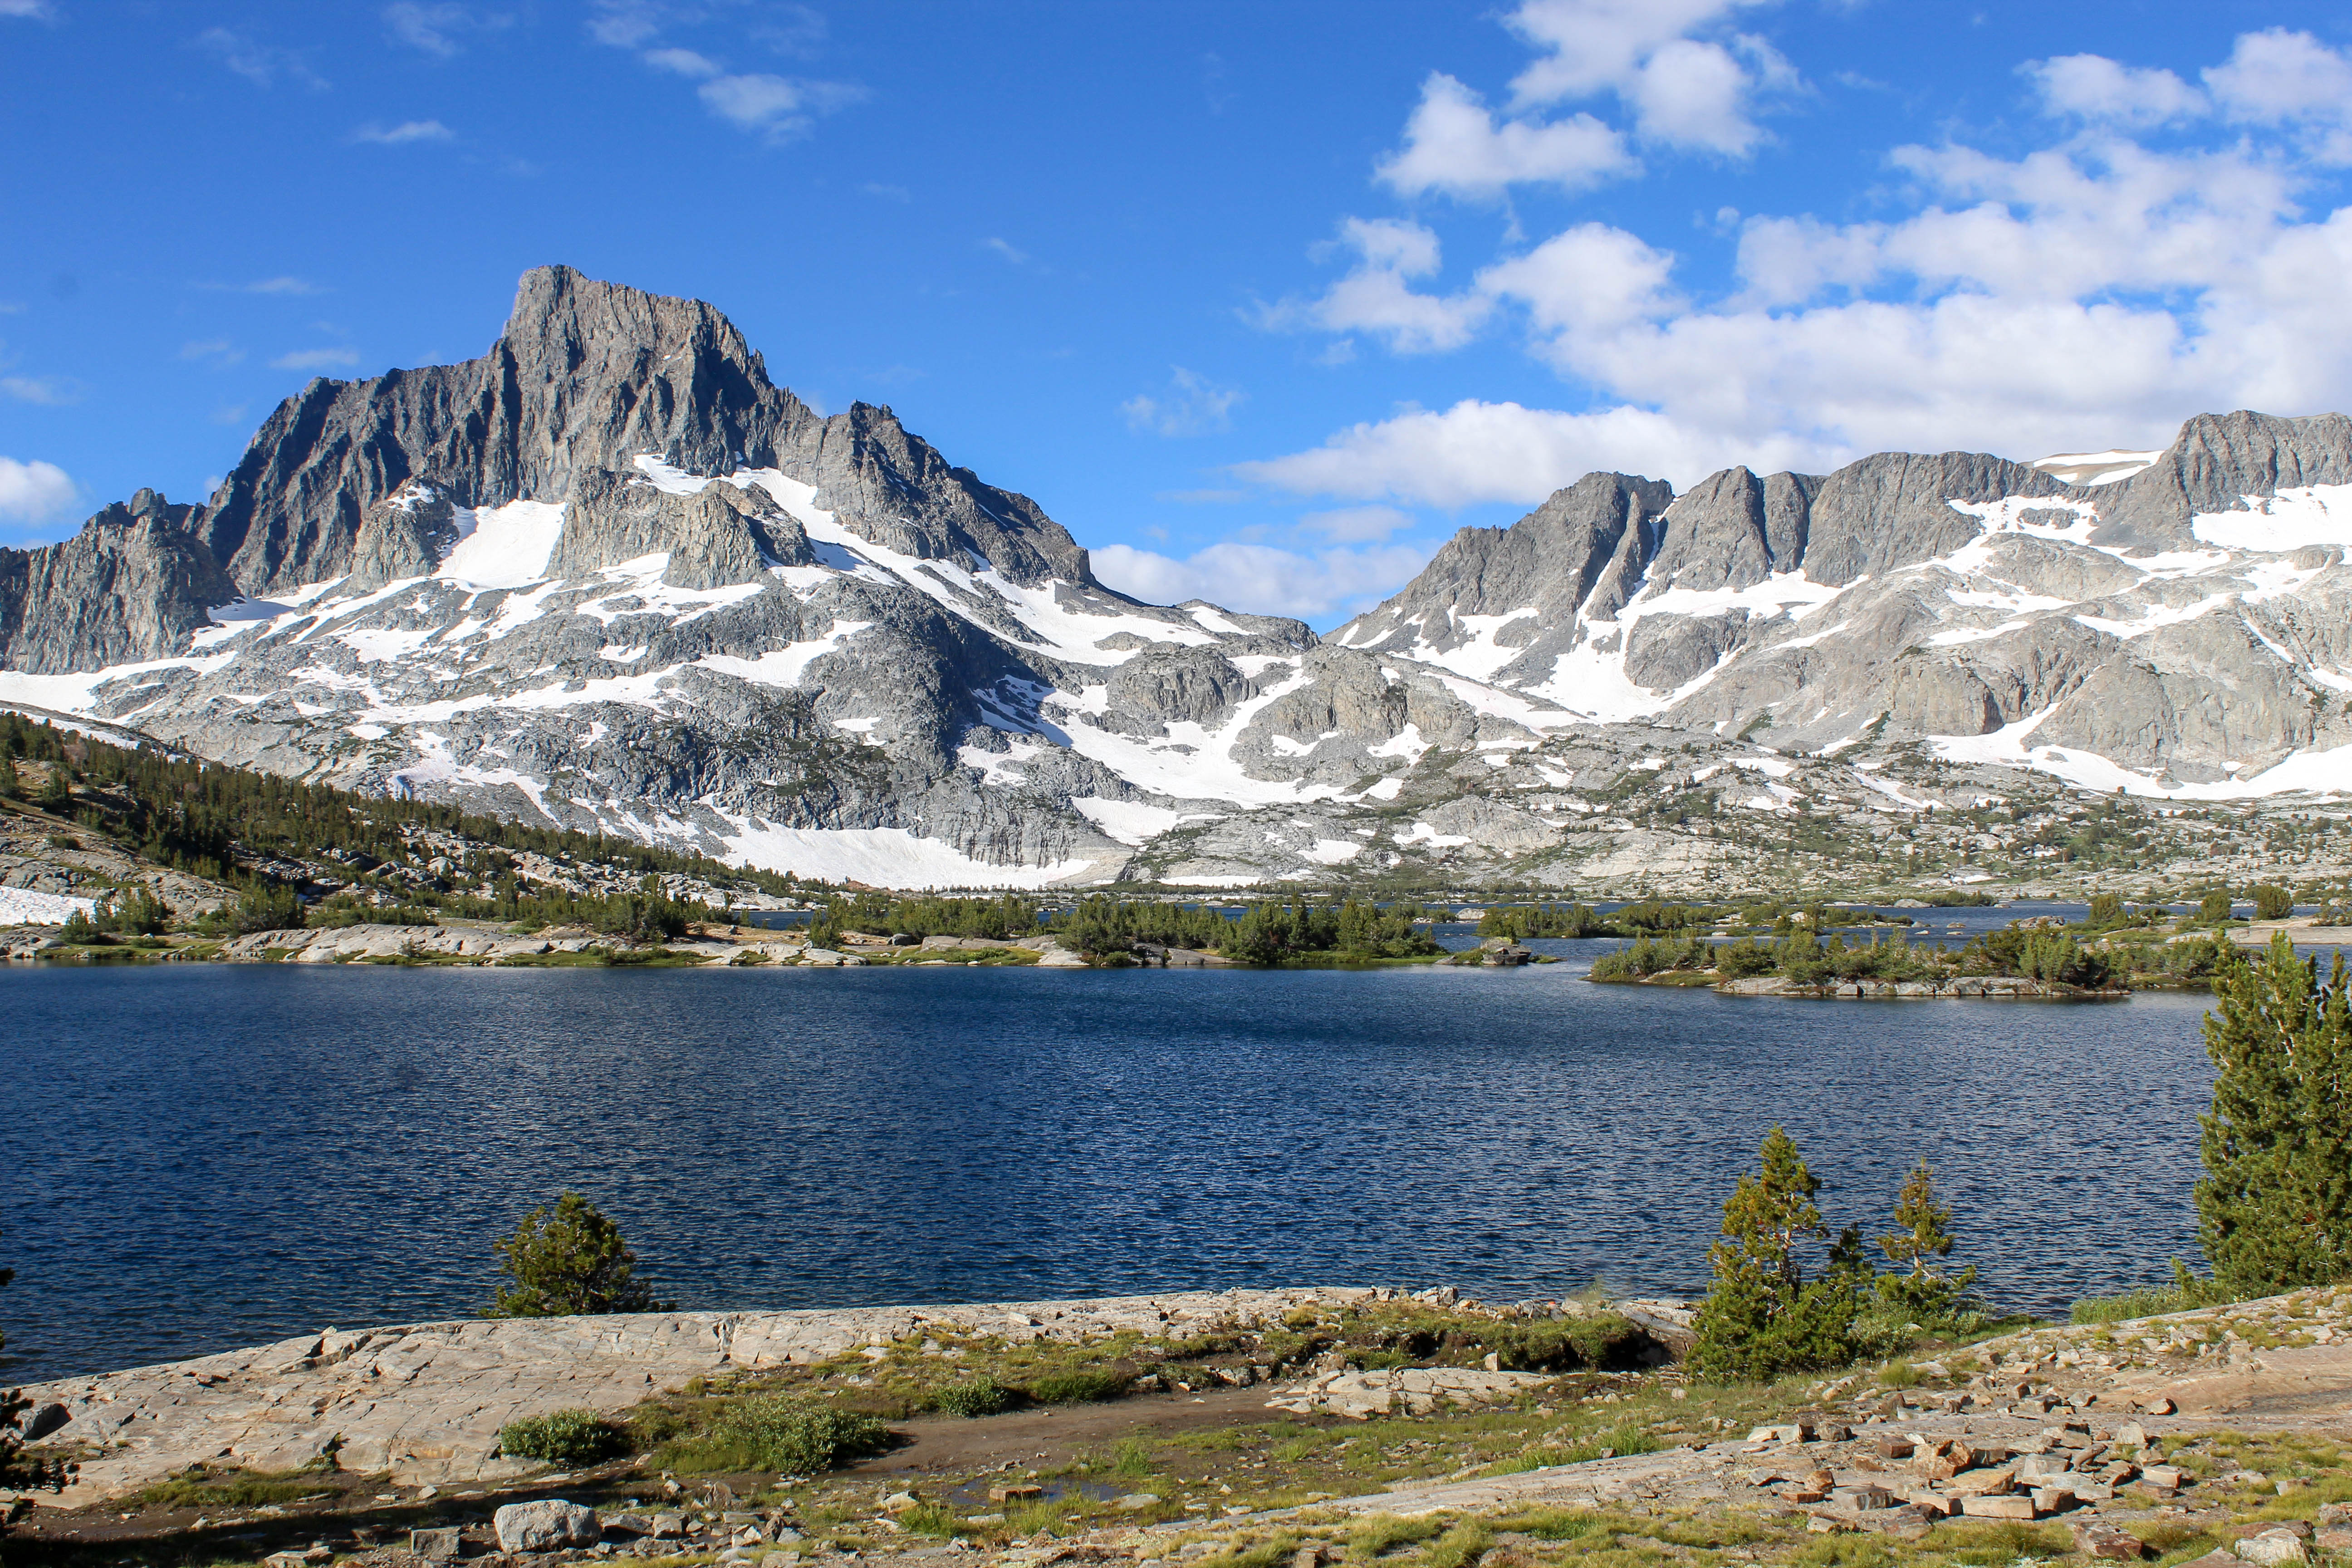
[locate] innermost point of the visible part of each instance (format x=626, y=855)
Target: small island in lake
x=2111, y=954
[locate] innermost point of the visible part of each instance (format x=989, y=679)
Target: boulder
x=2274, y=1546
x=549, y=1524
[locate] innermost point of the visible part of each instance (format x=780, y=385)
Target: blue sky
x=1260, y=302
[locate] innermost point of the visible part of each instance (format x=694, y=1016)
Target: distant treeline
x=199, y=816
x=1103, y=925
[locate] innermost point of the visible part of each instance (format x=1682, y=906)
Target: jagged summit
x=610, y=575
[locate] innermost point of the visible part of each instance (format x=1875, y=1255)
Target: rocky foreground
x=2212, y=1435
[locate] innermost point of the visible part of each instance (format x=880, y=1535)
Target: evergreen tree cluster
x=2275, y=1208
x=1789, y=1296
x=203, y=818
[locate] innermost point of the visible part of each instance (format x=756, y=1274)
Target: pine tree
x=1919, y=1288
x=570, y=1263
x=2274, y=1210
x=1763, y=1316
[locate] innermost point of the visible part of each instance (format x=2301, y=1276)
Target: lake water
x=193, y=1158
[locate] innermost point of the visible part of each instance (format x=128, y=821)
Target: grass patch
x=928, y=1519
x=1077, y=1388
x=1388, y=1531
x=2185, y=1293
x=976, y=1397
x=233, y=1489
x=1999, y=1544
x=775, y=1432
x=1899, y=1374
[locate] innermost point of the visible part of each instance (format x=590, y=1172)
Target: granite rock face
x=609, y=575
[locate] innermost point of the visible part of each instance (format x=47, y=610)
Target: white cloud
x=434, y=27
x=623, y=23
x=2087, y=294
x=1004, y=250
x=1357, y=524
x=33, y=491
x=779, y=108
x=220, y=349
x=316, y=359
x=1263, y=580
x=684, y=62
x=2289, y=79
x=50, y=391
x=782, y=108
x=1684, y=91
x=1192, y=405
x=1376, y=295
x=31, y=10
x=1454, y=144
x=407, y=130
x=1475, y=452
x=259, y=63
x=2094, y=87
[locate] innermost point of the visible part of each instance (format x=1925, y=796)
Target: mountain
x=610, y=575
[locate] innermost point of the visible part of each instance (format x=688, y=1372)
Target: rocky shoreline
x=1997, y=987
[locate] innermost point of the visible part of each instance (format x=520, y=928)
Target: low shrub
x=976, y=1397
x=796, y=1437
x=564, y=1437
x=1076, y=1387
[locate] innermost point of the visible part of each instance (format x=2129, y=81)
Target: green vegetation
x=203, y=1488
x=2275, y=1208
x=974, y=1396
x=1764, y=1316
x=570, y=1262
x=2093, y=956
x=1083, y=1387
x=208, y=818
x=1646, y=918
x=1108, y=930
x=562, y=1438
x=1919, y=1290
x=778, y=1433
x=2184, y=1294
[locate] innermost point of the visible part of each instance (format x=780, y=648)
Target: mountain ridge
x=610, y=573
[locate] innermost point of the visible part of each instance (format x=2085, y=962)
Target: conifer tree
x=1922, y=1238
x=570, y=1262
x=1763, y=1316
x=2275, y=1209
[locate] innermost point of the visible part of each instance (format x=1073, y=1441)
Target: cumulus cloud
x=1699, y=93
x=437, y=28
x=1453, y=143
x=407, y=132
x=1192, y=406
x=33, y=491
x=2084, y=294
x=1377, y=298
x=316, y=359
x=2094, y=87
x=1262, y=579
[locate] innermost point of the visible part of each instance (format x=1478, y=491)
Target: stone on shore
x=546, y=1525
